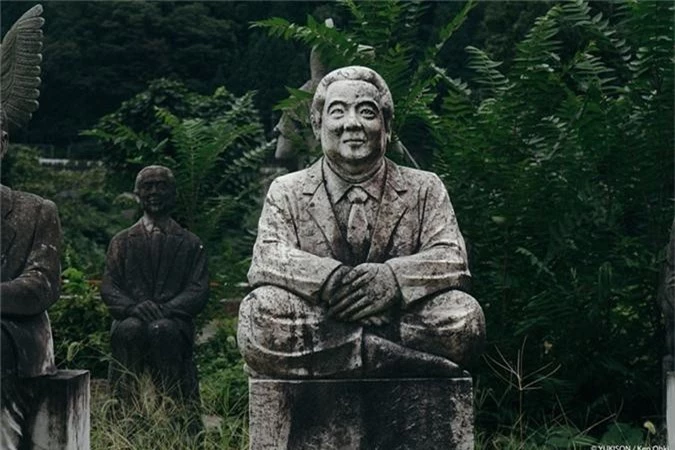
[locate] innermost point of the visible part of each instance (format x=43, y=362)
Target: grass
x=154, y=421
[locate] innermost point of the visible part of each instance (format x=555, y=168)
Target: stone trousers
x=283, y=335
x=159, y=347
x=17, y=402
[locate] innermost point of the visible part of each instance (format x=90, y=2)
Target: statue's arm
x=113, y=293
x=441, y=262
x=192, y=300
x=277, y=257
x=38, y=286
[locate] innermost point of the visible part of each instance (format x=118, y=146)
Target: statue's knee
x=129, y=332
x=271, y=301
x=274, y=321
x=450, y=324
x=163, y=332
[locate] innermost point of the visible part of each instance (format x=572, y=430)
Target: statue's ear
x=316, y=125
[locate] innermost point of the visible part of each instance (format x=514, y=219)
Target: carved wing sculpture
x=20, y=58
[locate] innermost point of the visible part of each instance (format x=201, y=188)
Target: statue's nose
x=351, y=121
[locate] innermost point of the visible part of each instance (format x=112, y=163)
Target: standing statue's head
x=351, y=114
x=156, y=189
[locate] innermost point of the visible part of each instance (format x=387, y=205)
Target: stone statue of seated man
x=155, y=283
x=359, y=268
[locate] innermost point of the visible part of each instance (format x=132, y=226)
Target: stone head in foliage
x=359, y=268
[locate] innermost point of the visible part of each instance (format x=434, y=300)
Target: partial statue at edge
x=29, y=247
x=359, y=268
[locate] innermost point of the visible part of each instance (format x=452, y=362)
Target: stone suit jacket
x=299, y=242
x=181, y=281
x=30, y=271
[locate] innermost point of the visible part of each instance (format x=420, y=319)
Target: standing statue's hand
x=147, y=311
x=367, y=290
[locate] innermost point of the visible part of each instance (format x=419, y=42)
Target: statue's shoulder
x=27, y=200
x=124, y=234
x=408, y=177
x=293, y=179
x=296, y=183
x=188, y=235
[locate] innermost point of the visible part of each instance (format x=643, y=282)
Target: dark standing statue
x=155, y=283
x=30, y=240
x=359, y=268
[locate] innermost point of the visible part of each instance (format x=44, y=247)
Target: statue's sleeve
x=277, y=257
x=192, y=300
x=38, y=285
x=113, y=293
x=441, y=262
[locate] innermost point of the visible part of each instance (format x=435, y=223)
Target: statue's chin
x=355, y=170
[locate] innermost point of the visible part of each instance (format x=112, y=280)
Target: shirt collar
x=150, y=225
x=337, y=187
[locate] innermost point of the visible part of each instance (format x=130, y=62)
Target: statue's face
x=157, y=193
x=353, y=134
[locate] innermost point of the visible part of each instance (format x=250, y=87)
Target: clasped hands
x=365, y=293
x=149, y=311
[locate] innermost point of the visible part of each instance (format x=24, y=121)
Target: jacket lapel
x=7, y=231
x=321, y=211
x=139, y=257
x=173, y=242
x=392, y=207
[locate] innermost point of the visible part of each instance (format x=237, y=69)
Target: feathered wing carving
x=20, y=60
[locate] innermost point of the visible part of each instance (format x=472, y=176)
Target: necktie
x=156, y=244
x=357, y=224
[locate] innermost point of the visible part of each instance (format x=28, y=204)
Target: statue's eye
x=367, y=112
x=336, y=111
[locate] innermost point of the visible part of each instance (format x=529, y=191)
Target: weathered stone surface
x=63, y=418
x=666, y=298
x=670, y=409
x=359, y=267
x=366, y=414
x=359, y=276
x=155, y=283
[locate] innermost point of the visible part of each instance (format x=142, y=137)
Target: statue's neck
x=154, y=220
x=355, y=178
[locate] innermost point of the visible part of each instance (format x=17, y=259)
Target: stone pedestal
x=670, y=408
x=63, y=418
x=368, y=414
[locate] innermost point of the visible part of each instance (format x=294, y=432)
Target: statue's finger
x=344, y=303
x=373, y=320
x=352, y=313
x=347, y=289
x=370, y=310
x=354, y=274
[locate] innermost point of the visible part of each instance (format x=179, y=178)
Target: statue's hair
x=162, y=169
x=354, y=73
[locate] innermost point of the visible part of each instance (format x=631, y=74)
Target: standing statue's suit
x=284, y=330
x=30, y=240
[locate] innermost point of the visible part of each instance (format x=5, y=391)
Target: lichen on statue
x=359, y=268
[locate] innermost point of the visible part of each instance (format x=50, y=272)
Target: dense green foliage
x=98, y=54
x=215, y=146
x=561, y=173
x=560, y=169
